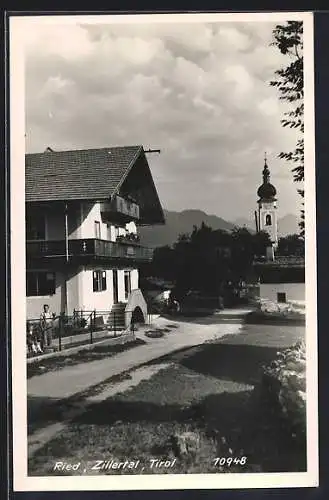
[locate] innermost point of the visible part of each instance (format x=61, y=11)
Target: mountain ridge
x=182, y=222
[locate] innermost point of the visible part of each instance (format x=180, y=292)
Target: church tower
x=267, y=208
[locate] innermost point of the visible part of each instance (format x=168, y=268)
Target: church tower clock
x=267, y=207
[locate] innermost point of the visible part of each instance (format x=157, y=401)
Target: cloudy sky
x=198, y=91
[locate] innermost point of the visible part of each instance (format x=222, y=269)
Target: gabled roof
x=89, y=174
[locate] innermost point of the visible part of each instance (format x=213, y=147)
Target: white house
x=282, y=280
x=83, y=210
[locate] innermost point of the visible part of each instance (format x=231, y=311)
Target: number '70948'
x=222, y=461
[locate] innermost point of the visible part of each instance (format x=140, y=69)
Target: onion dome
x=266, y=191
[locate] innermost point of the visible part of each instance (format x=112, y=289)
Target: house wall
x=121, y=286
x=80, y=294
x=89, y=214
x=34, y=305
x=81, y=224
x=79, y=285
x=134, y=279
x=293, y=291
x=91, y=300
x=102, y=301
x=73, y=287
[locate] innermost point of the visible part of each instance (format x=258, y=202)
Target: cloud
x=199, y=92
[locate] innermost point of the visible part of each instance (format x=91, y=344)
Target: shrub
x=81, y=323
x=283, y=391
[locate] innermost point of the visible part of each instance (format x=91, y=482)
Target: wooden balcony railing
x=120, y=208
x=89, y=247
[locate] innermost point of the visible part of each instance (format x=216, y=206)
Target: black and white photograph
x=163, y=251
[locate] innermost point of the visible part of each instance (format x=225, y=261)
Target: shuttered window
x=99, y=281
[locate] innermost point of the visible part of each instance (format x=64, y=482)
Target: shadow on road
x=238, y=363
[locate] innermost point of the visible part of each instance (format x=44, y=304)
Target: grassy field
x=206, y=390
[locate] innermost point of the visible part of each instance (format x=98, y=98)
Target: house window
x=268, y=220
x=35, y=226
x=282, y=297
x=97, y=230
x=40, y=283
x=127, y=283
x=99, y=281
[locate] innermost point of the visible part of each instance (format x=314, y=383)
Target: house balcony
x=89, y=249
x=120, y=210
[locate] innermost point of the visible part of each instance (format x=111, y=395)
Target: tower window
x=268, y=220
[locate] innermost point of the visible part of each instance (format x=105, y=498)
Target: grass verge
x=83, y=356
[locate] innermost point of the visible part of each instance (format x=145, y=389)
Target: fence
x=82, y=327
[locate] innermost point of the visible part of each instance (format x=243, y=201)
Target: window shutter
x=103, y=280
x=95, y=287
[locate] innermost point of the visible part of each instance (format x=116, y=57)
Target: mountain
x=178, y=223
x=182, y=222
x=288, y=225
x=244, y=222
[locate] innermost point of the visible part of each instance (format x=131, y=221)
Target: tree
x=164, y=263
x=291, y=245
x=208, y=260
x=261, y=241
x=289, y=81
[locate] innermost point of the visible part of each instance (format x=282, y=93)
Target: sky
x=198, y=91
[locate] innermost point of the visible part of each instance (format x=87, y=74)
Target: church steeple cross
x=266, y=172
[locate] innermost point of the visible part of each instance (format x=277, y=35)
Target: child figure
x=38, y=340
x=31, y=348
x=33, y=340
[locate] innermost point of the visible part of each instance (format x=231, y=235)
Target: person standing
x=46, y=323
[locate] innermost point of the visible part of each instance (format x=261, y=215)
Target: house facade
x=283, y=280
x=83, y=210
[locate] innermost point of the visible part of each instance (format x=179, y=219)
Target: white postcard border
x=21, y=480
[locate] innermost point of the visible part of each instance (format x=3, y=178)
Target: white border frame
x=21, y=480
